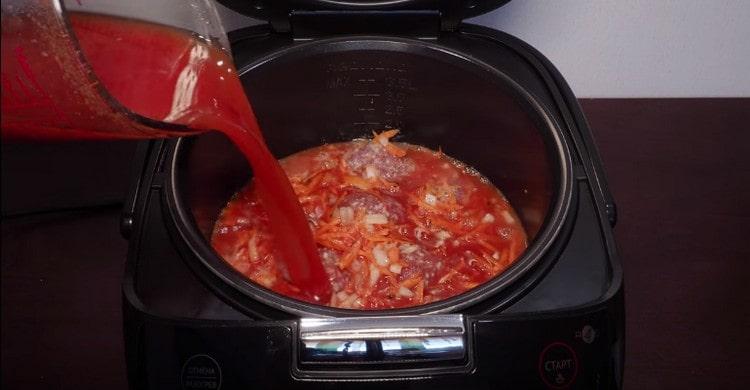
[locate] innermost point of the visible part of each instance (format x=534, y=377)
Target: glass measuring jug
x=55, y=83
x=140, y=69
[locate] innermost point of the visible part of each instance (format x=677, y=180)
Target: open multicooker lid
x=278, y=12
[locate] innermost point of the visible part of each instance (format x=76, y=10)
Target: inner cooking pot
x=337, y=90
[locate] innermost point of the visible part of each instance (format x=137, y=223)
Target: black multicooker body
x=329, y=71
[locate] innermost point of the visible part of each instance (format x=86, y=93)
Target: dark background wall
x=39, y=177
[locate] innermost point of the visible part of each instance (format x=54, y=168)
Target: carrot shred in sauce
x=396, y=225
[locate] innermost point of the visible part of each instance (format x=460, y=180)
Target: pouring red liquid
x=183, y=81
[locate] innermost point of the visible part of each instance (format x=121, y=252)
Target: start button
x=558, y=365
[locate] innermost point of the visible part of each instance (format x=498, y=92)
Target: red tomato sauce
x=184, y=80
x=396, y=225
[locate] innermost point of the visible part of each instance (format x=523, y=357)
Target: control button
x=558, y=365
x=201, y=372
x=587, y=334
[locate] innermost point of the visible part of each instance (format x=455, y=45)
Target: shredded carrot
x=332, y=244
x=419, y=292
x=368, y=255
x=411, y=282
x=395, y=150
x=384, y=140
x=394, y=254
x=453, y=227
x=386, y=185
x=385, y=271
x=312, y=184
x=393, y=281
x=486, y=245
x=334, y=234
x=390, y=240
x=384, y=136
x=419, y=202
x=324, y=227
x=447, y=276
x=356, y=181
x=347, y=259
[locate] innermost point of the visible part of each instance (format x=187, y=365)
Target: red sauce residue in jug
x=183, y=80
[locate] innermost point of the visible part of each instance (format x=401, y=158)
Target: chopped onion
x=349, y=301
x=395, y=268
x=408, y=248
x=371, y=172
x=447, y=276
x=266, y=280
x=405, y=292
x=374, y=274
x=252, y=249
x=442, y=235
x=420, y=234
x=488, y=218
x=376, y=219
x=346, y=214
x=380, y=255
x=430, y=199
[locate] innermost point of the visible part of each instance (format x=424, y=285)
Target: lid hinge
x=423, y=24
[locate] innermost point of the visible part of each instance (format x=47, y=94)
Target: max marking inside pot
x=396, y=225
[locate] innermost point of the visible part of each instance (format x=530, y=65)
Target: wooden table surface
x=679, y=170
